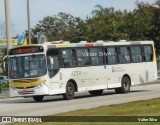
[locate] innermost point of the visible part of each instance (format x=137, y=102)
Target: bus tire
x=126, y=84
x=38, y=98
x=96, y=92
x=70, y=91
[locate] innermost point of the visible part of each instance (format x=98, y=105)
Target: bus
x=63, y=68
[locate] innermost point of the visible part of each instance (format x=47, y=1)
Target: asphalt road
x=56, y=104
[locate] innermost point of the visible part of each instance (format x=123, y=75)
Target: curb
x=4, y=94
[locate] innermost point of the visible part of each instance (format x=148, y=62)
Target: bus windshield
x=27, y=66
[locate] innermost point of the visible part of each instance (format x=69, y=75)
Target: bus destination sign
x=26, y=50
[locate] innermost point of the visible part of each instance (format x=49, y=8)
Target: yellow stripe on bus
x=154, y=53
x=25, y=83
x=61, y=45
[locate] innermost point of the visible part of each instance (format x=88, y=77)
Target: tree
x=109, y=24
x=100, y=11
x=143, y=23
x=3, y=30
x=61, y=27
x=3, y=52
x=155, y=27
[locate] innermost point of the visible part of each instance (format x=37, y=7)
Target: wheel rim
x=70, y=90
x=126, y=84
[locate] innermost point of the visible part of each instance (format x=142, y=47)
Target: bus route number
x=76, y=73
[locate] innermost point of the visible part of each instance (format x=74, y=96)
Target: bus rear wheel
x=70, y=91
x=38, y=98
x=126, y=84
x=96, y=92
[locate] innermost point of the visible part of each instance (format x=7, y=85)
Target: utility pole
x=8, y=24
x=28, y=16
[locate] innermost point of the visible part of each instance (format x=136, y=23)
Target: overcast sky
x=42, y=8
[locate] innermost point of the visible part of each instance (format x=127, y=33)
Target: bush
x=5, y=85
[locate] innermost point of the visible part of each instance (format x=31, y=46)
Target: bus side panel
x=143, y=72
x=155, y=70
x=59, y=81
x=54, y=84
x=99, y=77
x=138, y=73
x=81, y=75
x=114, y=75
x=151, y=71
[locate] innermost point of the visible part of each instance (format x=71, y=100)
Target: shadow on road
x=48, y=99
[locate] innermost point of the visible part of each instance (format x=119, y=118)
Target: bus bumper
x=38, y=90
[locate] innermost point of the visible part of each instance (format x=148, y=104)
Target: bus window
x=68, y=58
x=82, y=57
x=136, y=54
x=53, y=65
x=96, y=55
x=124, y=55
x=148, y=53
x=27, y=66
x=111, y=55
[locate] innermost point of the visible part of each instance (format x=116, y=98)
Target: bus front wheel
x=38, y=98
x=126, y=83
x=96, y=92
x=70, y=91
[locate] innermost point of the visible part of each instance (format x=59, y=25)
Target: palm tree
x=101, y=11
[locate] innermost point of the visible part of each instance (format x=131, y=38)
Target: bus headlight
x=39, y=86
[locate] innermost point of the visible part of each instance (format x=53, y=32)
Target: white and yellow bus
x=65, y=68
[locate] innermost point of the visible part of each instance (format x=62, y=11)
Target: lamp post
x=28, y=16
x=8, y=24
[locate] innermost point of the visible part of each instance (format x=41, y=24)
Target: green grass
x=137, y=108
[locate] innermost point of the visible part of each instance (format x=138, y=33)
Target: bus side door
x=98, y=69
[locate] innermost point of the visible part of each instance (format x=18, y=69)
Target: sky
x=42, y=8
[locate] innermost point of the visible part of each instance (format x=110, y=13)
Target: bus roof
x=85, y=44
x=96, y=44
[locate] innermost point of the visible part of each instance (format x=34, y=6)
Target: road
x=56, y=104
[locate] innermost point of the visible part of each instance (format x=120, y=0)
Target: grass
x=137, y=108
